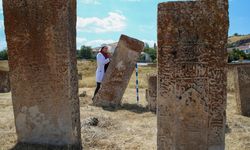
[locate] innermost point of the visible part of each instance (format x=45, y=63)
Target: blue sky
x=102, y=21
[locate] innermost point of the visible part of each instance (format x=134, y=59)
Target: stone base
x=107, y=104
x=26, y=146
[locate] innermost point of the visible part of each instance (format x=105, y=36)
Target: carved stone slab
x=41, y=38
x=119, y=72
x=192, y=58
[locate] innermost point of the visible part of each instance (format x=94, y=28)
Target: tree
x=236, y=54
x=78, y=54
x=4, y=54
x=150, y=51
x=146, y=45
x=155, y=46
x=248, y=56
x=142, y=58
x=236, y=34
x=86, y=52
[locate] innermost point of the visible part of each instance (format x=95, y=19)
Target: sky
x=103, y=21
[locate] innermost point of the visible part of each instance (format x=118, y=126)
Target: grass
x=233, y=39
x=88, y=68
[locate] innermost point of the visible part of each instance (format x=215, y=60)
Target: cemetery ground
x=130, y=127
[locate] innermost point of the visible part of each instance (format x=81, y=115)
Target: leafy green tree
x=236, y=54
x=78, y=54
x=142, y=58
x=248, y=56
x=4, y=54
x=151, y=51
x=236, y=34
x=85, y=52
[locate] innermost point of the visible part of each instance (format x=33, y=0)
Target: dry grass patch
x=131, y=127
x=233, y=39
x=88, y=68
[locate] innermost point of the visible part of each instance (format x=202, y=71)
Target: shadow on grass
x=25, y=146
x=130, y=107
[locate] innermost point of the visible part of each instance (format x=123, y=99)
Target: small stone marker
x=151, y=92
x=241, y=83
x=4, y=82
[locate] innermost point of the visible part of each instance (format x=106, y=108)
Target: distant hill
x=236, y=41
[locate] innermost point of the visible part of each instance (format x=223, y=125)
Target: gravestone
x=192, y=59
x=118, y=74
x=243, y=89
x=151, y=92
x=4, y=82
x=241, y=83
x=41, y=39
x=231, y=72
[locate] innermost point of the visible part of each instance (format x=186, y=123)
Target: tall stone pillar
x=41, y=38
x=192, y=59
x=119, y=72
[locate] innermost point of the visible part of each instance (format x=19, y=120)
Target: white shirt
x=101, y=61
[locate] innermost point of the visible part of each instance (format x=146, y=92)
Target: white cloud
x=95, y=2
x=1, y=6
x=3, y=44
x=93, y=43
x=1, y=24
x=114, y=22
x=96, y=43
x=80, y=41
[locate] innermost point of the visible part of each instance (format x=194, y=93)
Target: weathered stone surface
x=41, y=38
x=119, y=72
x=241, y=86
x=79, y=76
x=192, y=59
x=4, y=82
x=231, y=72
x=151, y=92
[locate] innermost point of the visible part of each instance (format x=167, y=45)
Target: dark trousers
x=98, y=85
